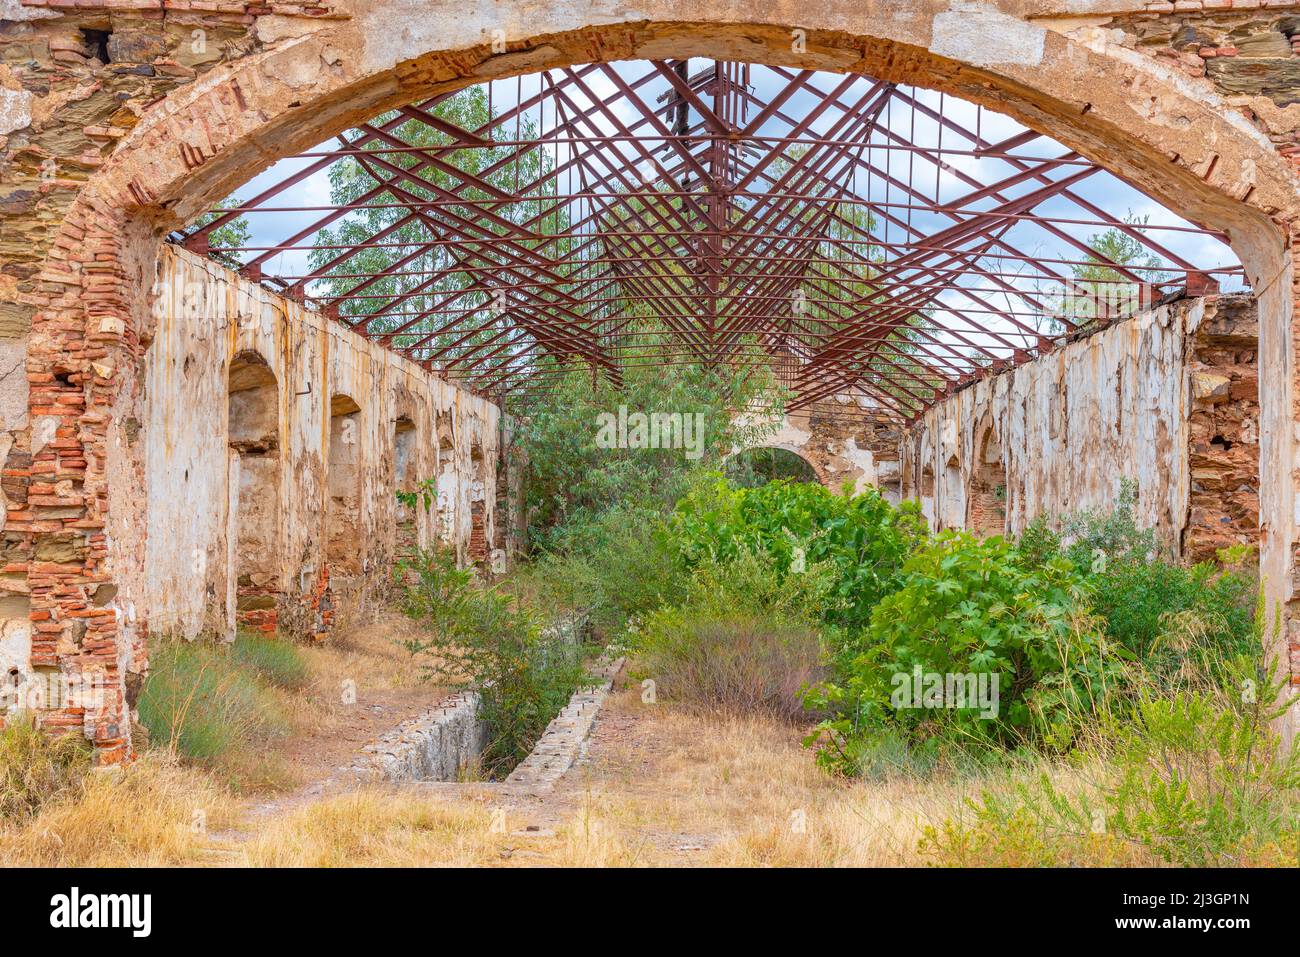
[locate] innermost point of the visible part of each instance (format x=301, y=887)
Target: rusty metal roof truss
x=757, y=216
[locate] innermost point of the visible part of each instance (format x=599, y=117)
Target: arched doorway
x=926, y=490
x=478, y=530
x=406, y=483
x=448, y=486
x=988, y=488
x=1145, y=122
x=253, y=524
x=758, y=466
x=343, y=484
x=952, y=495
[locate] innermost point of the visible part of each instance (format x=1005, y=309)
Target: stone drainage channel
x=446, y=741
x=441, y=744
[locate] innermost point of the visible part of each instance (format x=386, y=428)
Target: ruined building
x=203, y=428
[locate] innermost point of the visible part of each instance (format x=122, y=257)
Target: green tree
x=232, y=235
x=574, y=477
x=1100, y=289
x=436, y=215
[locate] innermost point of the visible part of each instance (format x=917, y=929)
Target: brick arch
x=1176, y=141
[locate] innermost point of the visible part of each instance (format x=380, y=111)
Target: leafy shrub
x=202, y=701
x=750, y=581
x=861, y=538
x=974, y=607
x=572, y=480
x=622, y=564
x=1173, y=618
x=1169, y=614
x=736, y=663
x=1112, y=533
x=479, y=635
x=36, y=767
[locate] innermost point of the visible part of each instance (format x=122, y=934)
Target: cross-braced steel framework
x=857, y=237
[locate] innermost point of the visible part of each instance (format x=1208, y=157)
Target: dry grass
x=384, y=828
x=376, y=829
x=673, y=788
x=365, y=657
x=324, y=716
x=153, y=813
x=367, y=654
x=36, y=768
x=738, y=663
x=664, y=787
x=729, y=791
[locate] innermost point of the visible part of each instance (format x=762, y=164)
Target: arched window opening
x=988, y=496
x=446, y=484
x=253, y=430
x=407, y=482
x=951, y=498
x=343, y=482
x=751, y=468
x=926, y=494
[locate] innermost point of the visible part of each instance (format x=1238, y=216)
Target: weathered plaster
x=844, y=438
x=205, y=315
x=152, y=145
x=1146, y=399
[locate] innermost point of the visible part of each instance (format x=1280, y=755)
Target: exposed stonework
x=1223, y=429
x=845, y=440
x=102, y=157
x=440, y=745
x=562, y=743
x=1167, y=398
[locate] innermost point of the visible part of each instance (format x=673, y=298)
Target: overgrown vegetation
x=481, y=637
x=967, y=607
x=856, y=544
x=1190, y=778
x=734, y=663
x=36, y=768
x=1083, y=648
x=154, y=813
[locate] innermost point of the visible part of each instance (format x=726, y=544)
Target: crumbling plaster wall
x=1167, y=399
x=204, y=315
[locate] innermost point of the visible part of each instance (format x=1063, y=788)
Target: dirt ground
x=363, y=684
x=655, y=787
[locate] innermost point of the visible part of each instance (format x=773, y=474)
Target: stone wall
x=201, y=492
x=237, y=443
x=1167, y=398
